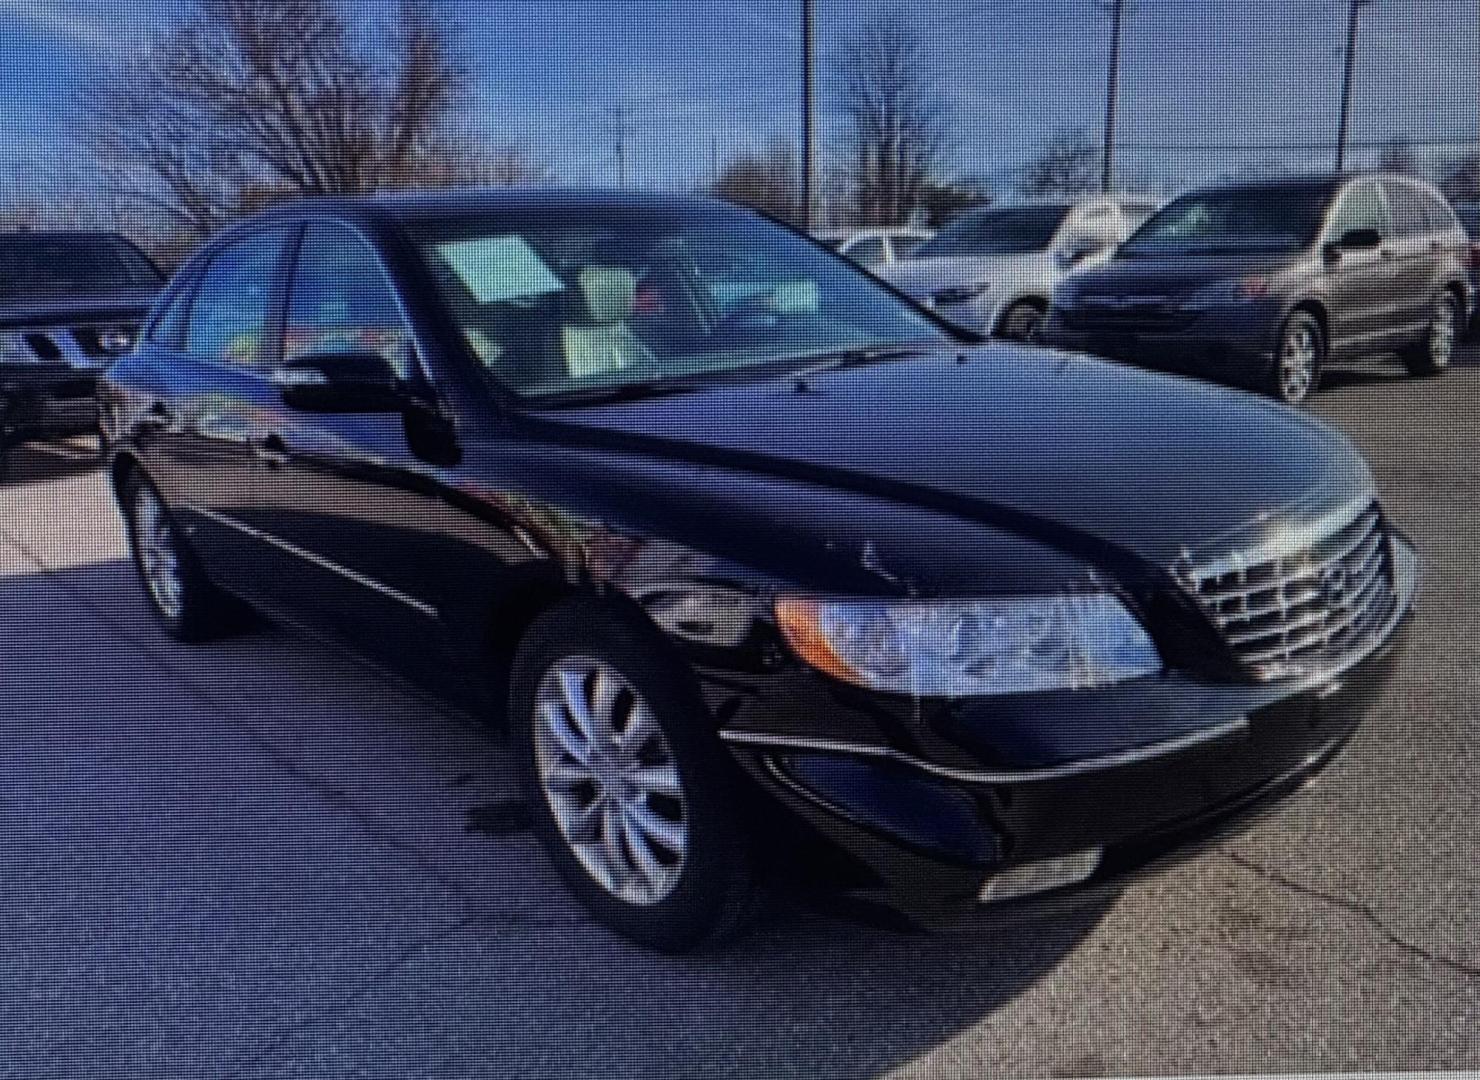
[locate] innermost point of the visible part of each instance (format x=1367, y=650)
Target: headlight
x=116, y=340
x=964, y=648
x=14, y=350
x=1226, y=292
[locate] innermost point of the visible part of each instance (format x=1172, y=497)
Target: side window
x=1407, y=208
x=228, y=320
x=168, y=329
x=1362, y=207
x=340, y=301
x=1441, y=214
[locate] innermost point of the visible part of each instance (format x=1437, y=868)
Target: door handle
x=271, y=451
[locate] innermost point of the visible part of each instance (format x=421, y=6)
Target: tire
x=183, y=600
x=1433, y=355
x=614, y=743
x=1021, y=321
x=1296, y=371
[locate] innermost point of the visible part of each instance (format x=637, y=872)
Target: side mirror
x=348, y=382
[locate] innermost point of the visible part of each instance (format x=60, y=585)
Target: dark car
x=792, y=578
x=1263, y=284
x=1469, y=216
x=70, y=302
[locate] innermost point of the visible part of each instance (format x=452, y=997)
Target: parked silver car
x=993, y=270
x=873, y=247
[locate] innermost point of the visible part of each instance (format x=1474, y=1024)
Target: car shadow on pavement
x=275, y=744
x=41, y=462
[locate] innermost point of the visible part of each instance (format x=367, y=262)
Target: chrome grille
x=1315, y=604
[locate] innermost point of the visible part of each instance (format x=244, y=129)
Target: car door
x=217, y=404
x=365, y=544
x=1361, y=307
x=1415, y=255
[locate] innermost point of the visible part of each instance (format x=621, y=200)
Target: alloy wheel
x=1299, y=357
x=609, y=777
x=159, y=555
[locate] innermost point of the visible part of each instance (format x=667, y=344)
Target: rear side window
x=1408, y=212
x=1441, y=214
x=1361, y=207
x=169, y=327
x=905, y=245
x=340, y=301
x=228, y=321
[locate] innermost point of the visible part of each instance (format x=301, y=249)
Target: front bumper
x=1234, y=345
x=40, y=400
x=928, y=835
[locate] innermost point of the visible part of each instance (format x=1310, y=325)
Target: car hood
x=60, y=310
x=922, y=277
x=1089, y=457
x=1173, y=275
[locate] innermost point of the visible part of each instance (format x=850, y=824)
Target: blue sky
x=700, y=80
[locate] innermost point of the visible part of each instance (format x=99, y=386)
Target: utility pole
x=1346, y=81
x=809, y=154
x=619, y=116
x=1112, y=91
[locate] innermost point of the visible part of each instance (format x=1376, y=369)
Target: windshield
x=586, y=301
x=36, y=264
x=1238, y=219
x=1013, y=231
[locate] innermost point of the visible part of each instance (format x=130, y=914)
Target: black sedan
x=70, y=303
x=757, y=561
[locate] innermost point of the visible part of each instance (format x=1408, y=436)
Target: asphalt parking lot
x=262, y=858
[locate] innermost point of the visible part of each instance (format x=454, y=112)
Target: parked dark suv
x=70, y=302
x=1263, y=284
x=755, y=558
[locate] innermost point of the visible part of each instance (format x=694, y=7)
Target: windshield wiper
x=603, y=395
x=847, y=358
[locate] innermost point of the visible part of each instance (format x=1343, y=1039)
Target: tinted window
x=48, y=263
x=906, y=246
x=169, y=328
x=1407, y=208
x=340, y=301
x=1469, y=216
x=998, y=232
x=1234, y=219
x=1362, y=207
x=228, y=321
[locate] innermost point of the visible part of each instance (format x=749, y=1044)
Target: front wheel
x=182, y=598
x=1296, y=371
x=1433, y=355
x=630, y=791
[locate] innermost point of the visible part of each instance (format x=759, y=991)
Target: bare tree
x=770, y=182
x=896, y=117
x=251, y=101
x=1067, y=165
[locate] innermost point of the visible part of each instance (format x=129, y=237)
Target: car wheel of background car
x=1021, y=321
x=1433, y=354
x=630, y=791
x=182, y=598
x=1296, y=371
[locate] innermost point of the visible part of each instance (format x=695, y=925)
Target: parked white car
x=875, y=247
x=993, y=270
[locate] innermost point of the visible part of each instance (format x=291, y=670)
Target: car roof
x=407, y=206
